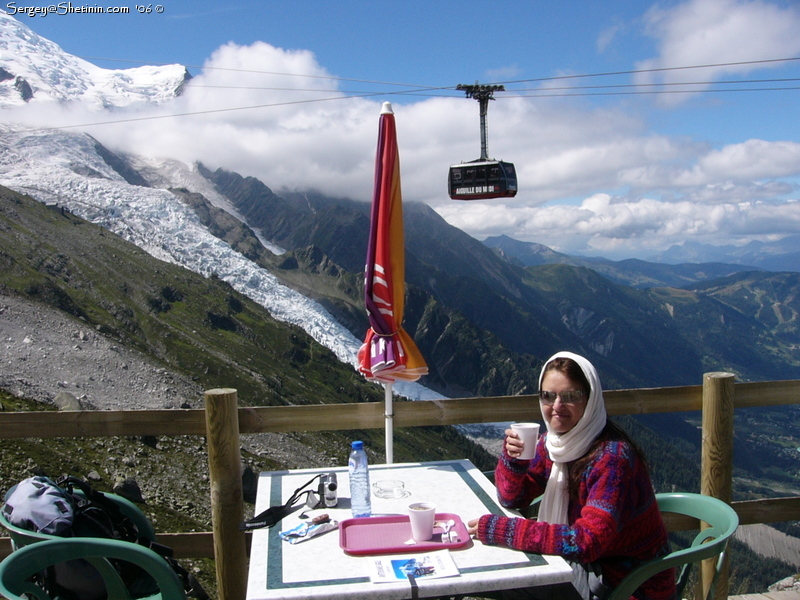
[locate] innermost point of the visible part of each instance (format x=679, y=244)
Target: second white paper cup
x=529, y=434
x=421, y=515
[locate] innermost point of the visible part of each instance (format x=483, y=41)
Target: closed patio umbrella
x=388, y=352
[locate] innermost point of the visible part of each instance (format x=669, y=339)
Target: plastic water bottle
x=360, y=502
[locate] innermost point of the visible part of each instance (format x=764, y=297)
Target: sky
x=633, y=126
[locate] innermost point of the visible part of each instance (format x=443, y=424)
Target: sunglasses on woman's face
x=568, y=397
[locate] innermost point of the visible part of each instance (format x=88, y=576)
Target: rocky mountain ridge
x=639, y=273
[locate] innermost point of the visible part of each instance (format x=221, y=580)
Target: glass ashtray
x=390, y=488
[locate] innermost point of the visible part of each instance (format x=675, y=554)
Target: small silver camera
x=327, y=490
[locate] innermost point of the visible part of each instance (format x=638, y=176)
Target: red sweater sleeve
x=519, y=482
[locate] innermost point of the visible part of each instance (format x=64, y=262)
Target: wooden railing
x=222, y=421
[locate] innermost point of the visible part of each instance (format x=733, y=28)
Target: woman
x=598, y=510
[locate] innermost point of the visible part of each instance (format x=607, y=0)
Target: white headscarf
x=569, y=446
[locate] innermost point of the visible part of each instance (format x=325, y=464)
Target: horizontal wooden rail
x=102, y=423
x=767, y=510
x=370, y=415
x=201, y=544
x=198, y=544
x=772, y=393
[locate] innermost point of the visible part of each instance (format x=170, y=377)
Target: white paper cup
x=421, y=515
x=529, y=434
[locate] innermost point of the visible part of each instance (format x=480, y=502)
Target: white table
x=319, y=568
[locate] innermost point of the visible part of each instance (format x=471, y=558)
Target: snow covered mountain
x=33, y=69
x=69, y=168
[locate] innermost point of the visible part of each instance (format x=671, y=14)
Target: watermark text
x=68, y=8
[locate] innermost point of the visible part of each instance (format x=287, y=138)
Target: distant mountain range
x=781, y=255
x=680, y=265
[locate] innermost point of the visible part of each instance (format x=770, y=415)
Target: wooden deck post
x=227, y=504
x=717, y=458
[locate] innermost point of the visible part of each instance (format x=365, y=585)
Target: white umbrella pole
x=389, y=414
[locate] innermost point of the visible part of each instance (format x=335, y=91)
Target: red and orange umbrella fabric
x=388, y=353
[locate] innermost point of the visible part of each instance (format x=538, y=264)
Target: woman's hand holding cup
x=514, y=445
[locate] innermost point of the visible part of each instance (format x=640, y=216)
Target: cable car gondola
x=483, y=178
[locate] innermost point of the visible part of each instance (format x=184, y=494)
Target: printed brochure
x=422, y=566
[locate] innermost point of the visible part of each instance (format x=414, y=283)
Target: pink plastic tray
x=388, y=535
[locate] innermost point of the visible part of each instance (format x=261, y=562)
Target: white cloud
x=640, y=191
x=753, y=159
x=607, y=37
x=728, y=170
x=293, y=131
x=715, y=32
x=619, y=227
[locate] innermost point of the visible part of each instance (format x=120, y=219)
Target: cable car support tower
x=482, y=93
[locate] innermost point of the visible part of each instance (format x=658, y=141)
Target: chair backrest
x=19, y=566
x=711, y=542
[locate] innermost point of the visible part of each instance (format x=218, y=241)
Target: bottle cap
x=357, y=445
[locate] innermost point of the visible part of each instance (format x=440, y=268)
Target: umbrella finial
x=387, y=109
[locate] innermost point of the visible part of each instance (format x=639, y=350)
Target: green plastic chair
x=19, y=566
x=710, y=542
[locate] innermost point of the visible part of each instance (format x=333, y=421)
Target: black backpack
x=93, y=514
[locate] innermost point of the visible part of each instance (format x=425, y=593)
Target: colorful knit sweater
x=615, y=522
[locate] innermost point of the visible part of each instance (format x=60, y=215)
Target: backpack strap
x=123, y=527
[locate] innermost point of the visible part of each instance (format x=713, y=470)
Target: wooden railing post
x=717, y=459
x=227, y=504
